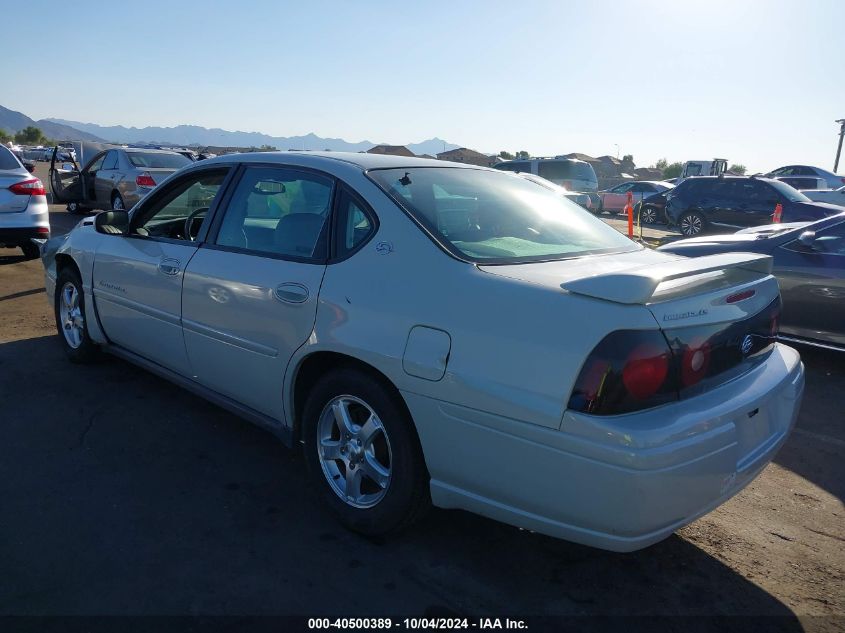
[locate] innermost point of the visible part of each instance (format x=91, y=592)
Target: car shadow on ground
x=818, y=458
x=123, y=494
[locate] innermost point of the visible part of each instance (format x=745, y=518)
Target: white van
x=575, y=175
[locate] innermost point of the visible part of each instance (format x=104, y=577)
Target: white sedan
x=831, y=196
x=441, y=333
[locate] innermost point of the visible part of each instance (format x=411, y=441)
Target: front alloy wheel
x=70, y=315
x=648, y=215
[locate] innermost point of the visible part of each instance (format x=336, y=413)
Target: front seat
x=297, y=234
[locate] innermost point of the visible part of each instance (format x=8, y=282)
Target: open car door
x=65, y=183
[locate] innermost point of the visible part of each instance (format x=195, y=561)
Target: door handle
x=170, y=266
x=291, y=292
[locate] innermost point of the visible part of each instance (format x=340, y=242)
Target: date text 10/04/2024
x=417, y=623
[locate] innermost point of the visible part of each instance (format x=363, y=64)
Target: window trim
x=212, y=210
x=336, y=228
x=223, y=204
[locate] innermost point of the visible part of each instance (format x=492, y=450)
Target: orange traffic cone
x=630, y=209
x=778, y=214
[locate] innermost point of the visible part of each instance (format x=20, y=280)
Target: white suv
x=24, y=216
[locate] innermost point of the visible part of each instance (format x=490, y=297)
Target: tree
x=30, y=135
x=628, y=158
x=661, y=164
x=738, y=168
x=5, y=137
x=505, y=155
x=267, y=148
x=673, y=170
x=523, y=154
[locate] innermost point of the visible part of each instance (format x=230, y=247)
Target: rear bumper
x=16, y=236
x=19, y=227
x=619, y=483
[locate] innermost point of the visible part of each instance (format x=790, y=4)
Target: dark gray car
x=809, y=263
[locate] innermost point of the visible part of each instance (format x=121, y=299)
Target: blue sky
x=757, y=82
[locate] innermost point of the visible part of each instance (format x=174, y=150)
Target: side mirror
x=112, y=222
x=808, y=239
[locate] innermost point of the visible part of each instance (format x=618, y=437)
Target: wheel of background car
x=363, y=453
x=74, y=207
x=189, y=222
x=117, y=202
x=648, y=214
x=69, y=309
x=690, y=224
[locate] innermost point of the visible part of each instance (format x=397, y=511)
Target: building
x=469, y=156
x=393, y=150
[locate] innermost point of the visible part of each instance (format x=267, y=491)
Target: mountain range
x=183, y=135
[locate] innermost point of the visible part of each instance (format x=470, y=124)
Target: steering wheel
x=189, y=222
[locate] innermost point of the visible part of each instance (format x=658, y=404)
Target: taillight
x=31, y=187
x=628, y=370
x=145, y=180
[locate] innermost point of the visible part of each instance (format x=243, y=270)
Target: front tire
x=648, y=214
x=69, y=309
x=75, y=208
x=363, y=454
x=117, y=202
x=691, y=224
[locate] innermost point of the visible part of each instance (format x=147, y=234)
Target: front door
x=138, y=277
x=104, y=183
x=250, y=294
x=812, y=284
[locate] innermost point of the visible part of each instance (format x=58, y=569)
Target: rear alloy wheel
x=363, y=454
x=690, y=224
x=648, y=215
x=70, y=318
x=117, y=202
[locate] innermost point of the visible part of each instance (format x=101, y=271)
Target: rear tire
x=691, y=224
x=69, y=309
x=363, y=454
x=31, y=251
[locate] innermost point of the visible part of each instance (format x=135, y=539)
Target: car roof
x=136, y=150
x=362, y=160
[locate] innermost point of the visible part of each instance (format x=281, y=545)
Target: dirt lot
x=122, y=494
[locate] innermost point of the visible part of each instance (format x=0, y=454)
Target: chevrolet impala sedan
x=438, y=333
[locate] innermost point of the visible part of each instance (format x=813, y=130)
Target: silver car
x=435, y=332
x=24, y=218
x=115, y=178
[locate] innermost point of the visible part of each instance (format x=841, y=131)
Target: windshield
x=154, y=160
x=790, y=193
x=489, y=217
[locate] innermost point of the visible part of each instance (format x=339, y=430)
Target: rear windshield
x=492, y=218
x=154, y=160
x=566, y=170
x=8, y=160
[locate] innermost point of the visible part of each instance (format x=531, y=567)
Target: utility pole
x=841, y=123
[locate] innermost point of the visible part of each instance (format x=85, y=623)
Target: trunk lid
x=12, y=202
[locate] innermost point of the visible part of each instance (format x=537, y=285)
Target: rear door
x=812, y=284
x=755, y=203
x=138, y=277
x=250, y=293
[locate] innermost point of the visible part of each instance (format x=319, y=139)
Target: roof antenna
x=405, y=180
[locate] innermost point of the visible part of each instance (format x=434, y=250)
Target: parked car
x=115, y=178
x=440, y=332
x=573, y=174
x=652, y=210
x=613, y=200
x=581, y=199
x=24, y=217
x=830, y=196
x=809, y=263
x=808, y=173
x=695, y=168
x=699, y=204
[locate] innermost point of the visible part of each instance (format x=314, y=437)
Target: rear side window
x=566, y=170
x=8, y=160
x=111, y=160
x=354, y=224
x=522, y=166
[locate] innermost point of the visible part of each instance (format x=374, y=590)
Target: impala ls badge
x=747, y=342
x=384, y=248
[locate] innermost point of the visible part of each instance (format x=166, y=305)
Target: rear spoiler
x=639, y=284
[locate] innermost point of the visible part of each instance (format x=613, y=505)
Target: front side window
x=110, y=161
x=486, y=217
x=278, y=211
x=178, y=212
x=97, y=164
